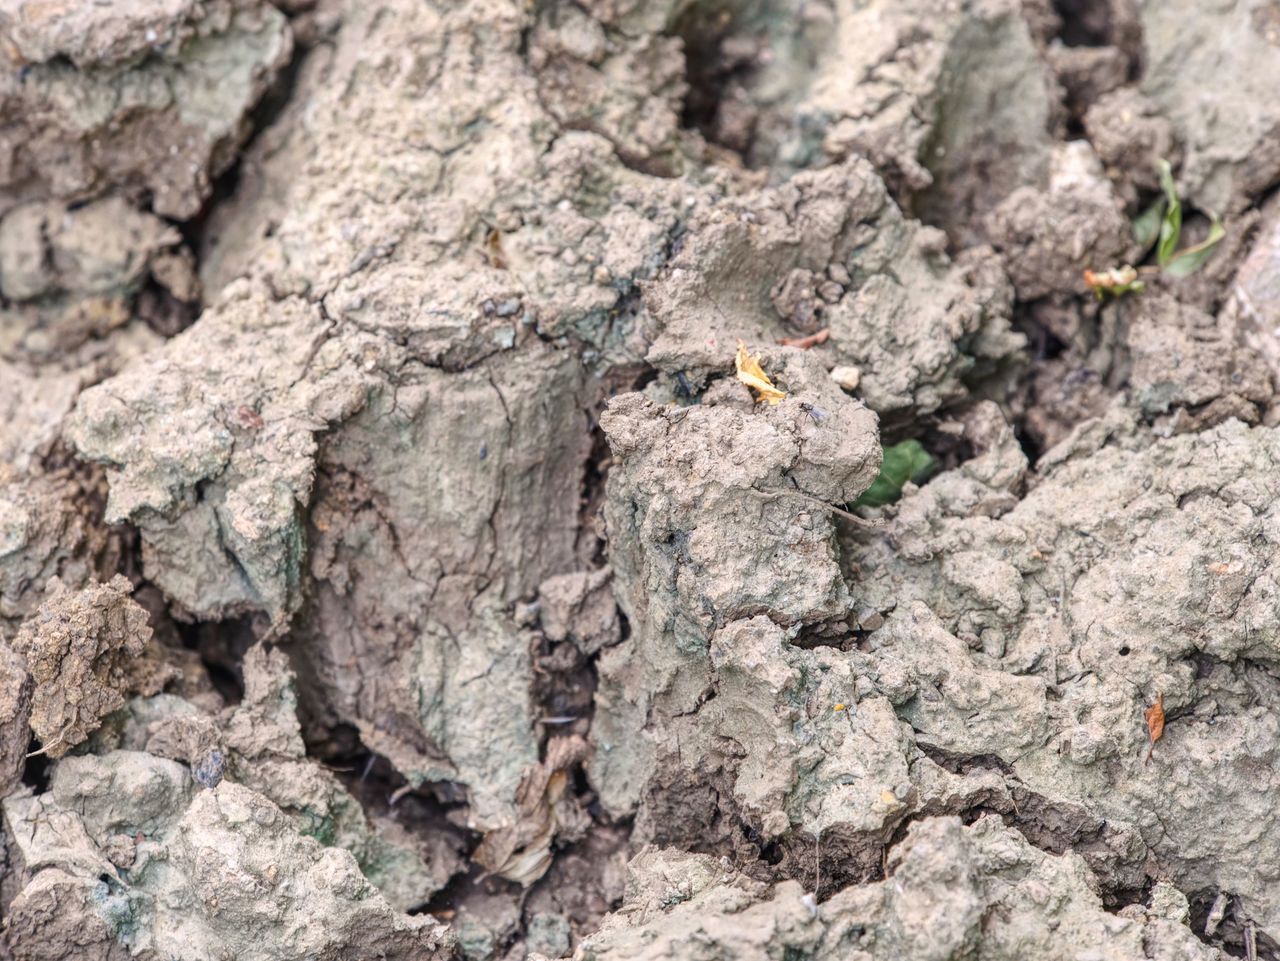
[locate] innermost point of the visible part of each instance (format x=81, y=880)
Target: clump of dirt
x=86, y=651
x=399, y=559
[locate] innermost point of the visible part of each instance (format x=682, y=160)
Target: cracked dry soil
x=392, y=565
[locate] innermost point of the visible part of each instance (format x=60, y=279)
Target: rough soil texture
x=393, y=566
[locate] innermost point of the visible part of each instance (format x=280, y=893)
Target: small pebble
x=830, y=291
x=210, y=769
x=846, y=377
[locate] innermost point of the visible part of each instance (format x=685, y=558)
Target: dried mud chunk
x=100, y=248
x=215, y=872
x=83, y=650
x=315, y=893
x=697, y=487
x=122, y=792
x=15, y=708
x=440, y=561
x=101, y=34
x=33, y=407
x=580, y=608
x=55, y=917
x=809, y=755
x=229, y=508
x=158, y=100
x=1131, y=135
x=957, y=706
x=952, y=891
x=45, y=531
x=1227, y=120
x=628, y=89
x=1140, y=566
x=1184, y=357
x=258, y=744
x=928, y=92
x=715, y=514
x=1049, y=237
x=913, y=322
x=218, y=499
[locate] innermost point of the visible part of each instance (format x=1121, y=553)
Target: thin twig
x=819, y=502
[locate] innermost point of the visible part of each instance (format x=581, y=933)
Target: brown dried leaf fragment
x=1154, y=716
x=752, y=374
x=522, y=851
x=804, y=343
x=493, y=250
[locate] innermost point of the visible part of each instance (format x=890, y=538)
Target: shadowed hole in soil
x=1102, y=23
x=1085, y=23
x=37, y=768
x=222, y=646
x=163, y=312
x=722, y=50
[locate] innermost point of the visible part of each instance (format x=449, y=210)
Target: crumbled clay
x=474, y=232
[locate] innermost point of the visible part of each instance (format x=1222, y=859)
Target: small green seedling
x=1159, y=226
x=903, y=462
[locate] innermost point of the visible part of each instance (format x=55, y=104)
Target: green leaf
x=1171, y=225
x=1147, y=227
x=907, y=461
x=1188, y=261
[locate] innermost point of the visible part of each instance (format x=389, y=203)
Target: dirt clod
x=86, y=651
x=433, y=447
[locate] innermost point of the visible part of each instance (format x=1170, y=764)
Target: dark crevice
x=269, y=108
x=222, y=646
x=434, y=813
x=1103, y=23
x=162, y=311
x=1053, y=827
x=1085, y=23
x=37, y=768
x=1031, y=443
x=718, y=58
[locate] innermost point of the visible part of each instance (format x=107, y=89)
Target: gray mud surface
x=394, y=566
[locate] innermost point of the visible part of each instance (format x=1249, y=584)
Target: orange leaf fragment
x=752, y=374
x=493, y=250
x=1154, y=716
x=804, y=343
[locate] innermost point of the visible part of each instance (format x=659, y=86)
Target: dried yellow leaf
x=751, y=374
x=1154, y=716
